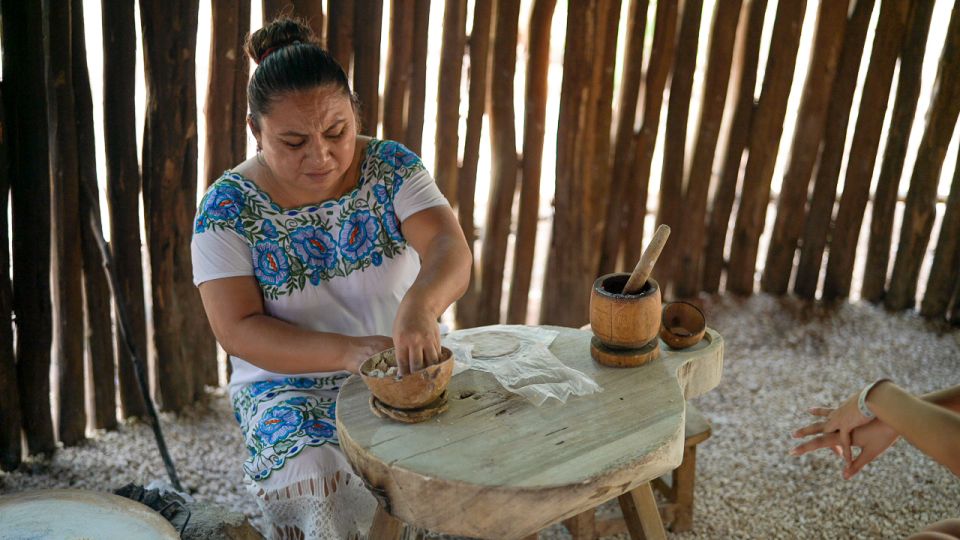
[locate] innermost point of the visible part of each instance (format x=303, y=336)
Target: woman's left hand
x=416, y=336
x=842, y=420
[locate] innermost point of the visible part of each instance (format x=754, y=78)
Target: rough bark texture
x=170, y=186
x=418, y=76
x=123, y=188
x=67, y=257
x=226, y=106
x=535, y=111
x=764, y=143
x=645, y=140
x=945, y=272
x=367, y=23
x=580, y=188
x=807, y=135
x=397, y=83
x=9, y=395
x=691, y=236
x=863, y=151
x=895, y=150
x=920, y=210
x=98, y=326
x=623, y=152
x=479, y=49
x=503, y=139
x=670, y=208
x=448, y=102
x=820, y=210
x=746, y=60
x=340, y=33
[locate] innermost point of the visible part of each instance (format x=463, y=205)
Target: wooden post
x=9, y=396
x=535, y=112
x=397, y=80
x=645, y=140
x=67, y=259
x=98, y=327
x=764, y=143
x=670, y=211
x=691, y=231
x=863, y=151
x=467, y=175
x=26, y=106
x=581, y=190
x=367, y=22
x=169, y=187
x=895, y=150
x=418, y=77
x=226, y=106
x=747, y=60
x=820, y=211
x=504, y=166
x=123, y=187
x=340, y=33
x=945, y=272
x=448, y=100
x=811, y=118
x=919, y=213
x=623, y=154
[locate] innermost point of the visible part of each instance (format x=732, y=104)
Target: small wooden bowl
x=413, y=390
x=682, y=325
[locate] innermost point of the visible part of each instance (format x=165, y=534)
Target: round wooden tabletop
x=496, y=466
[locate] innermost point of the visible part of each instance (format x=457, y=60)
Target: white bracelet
x=862, y=401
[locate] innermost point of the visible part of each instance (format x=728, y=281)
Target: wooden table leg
x=582, y=526
x=385, y=526
x=641, y=514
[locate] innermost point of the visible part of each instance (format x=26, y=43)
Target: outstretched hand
x=873, y=438
x=842, y=421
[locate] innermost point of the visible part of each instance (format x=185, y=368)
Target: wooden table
x=496, y=466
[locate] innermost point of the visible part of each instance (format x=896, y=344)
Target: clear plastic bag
x=530, y=370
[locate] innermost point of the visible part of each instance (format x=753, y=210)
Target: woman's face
x=309, y=141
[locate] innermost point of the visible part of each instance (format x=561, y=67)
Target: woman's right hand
x=365, y=347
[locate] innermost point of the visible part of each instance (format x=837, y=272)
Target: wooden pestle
x=649, y=258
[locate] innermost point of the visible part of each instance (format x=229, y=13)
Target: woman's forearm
x=444, y=274
x=933, y=429
x=948, y=397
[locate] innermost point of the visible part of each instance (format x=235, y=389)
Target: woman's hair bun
x=277, y=34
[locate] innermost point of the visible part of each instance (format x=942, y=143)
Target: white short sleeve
x=220, y=254
x=418, y=192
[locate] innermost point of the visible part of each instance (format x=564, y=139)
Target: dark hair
x=289, y=58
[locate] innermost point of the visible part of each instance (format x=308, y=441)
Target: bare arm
x=933, y=429
x=444, y=274
x=949, y=398
x=234, y=307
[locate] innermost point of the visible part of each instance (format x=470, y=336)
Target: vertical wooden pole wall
x=413, y=137
x=98, y=328
x=123, y=187
x=399, y=62
x=919, y=213
x=895, y=150
x=479, y=49
x=9, y=395
x=447, y=139
x=67, y=258
x=807, y=135
x=692, y=230
x=503, y=180
x=26, y=105
x=764, y=143
x=340, y=33
x=534, y=118
x=367, y=22
x=945, y=272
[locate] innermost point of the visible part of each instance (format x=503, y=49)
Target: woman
x=309, y=257
x=875, y=417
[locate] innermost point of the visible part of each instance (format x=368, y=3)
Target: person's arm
x=444, y=274
x=934, y=430
x=948, y=397
x=234, y=308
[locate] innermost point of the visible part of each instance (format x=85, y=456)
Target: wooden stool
x=676, y=513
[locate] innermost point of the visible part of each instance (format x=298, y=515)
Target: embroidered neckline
x=311, y=207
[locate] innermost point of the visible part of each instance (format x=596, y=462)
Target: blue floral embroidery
x=376, y=258
x=380, y=192
x=278, y=423
x=224, y=202
x=358, y=236
x=318, y=429
x=270, y=262
x=297, y=401
x=315, y=247
x=269, y=230
x=301, y=382
x=261, y=387
x=200, y=224
x=392, y=224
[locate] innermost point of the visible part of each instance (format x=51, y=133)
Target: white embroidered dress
x=341, y=266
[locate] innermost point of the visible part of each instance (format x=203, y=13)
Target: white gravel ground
x=781, y=356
